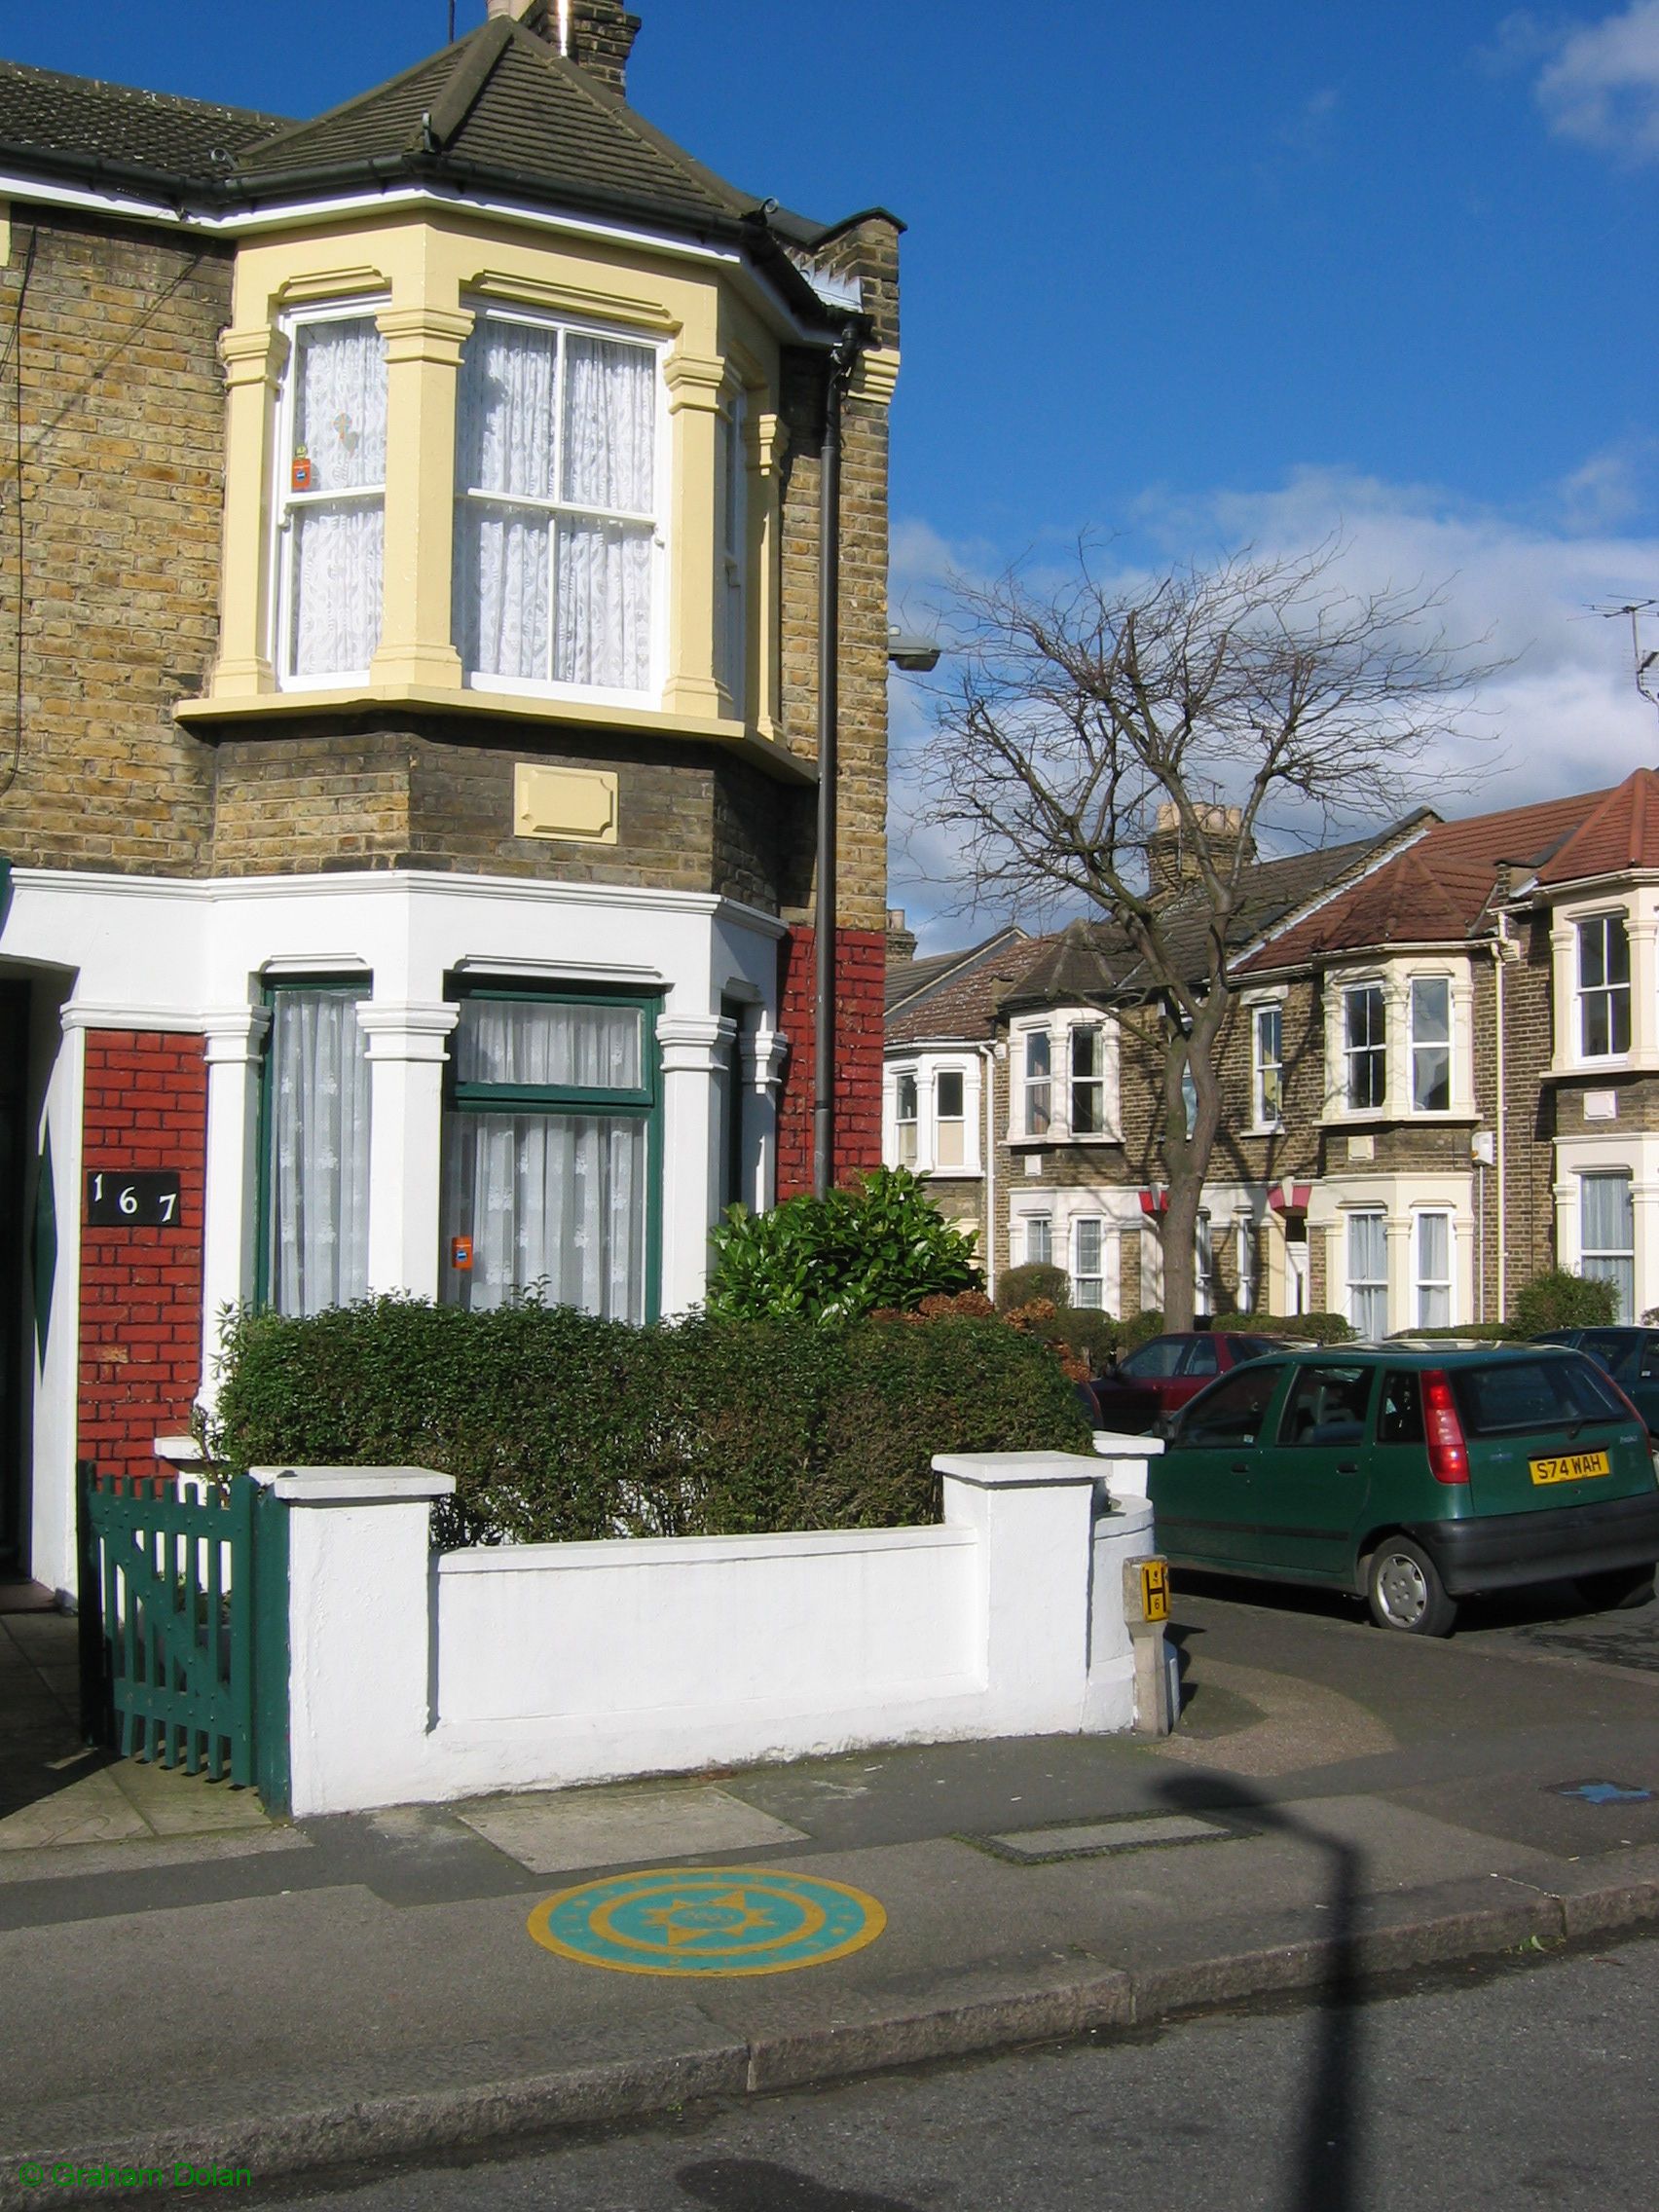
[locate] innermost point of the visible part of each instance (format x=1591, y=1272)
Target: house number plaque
x=144, y=1198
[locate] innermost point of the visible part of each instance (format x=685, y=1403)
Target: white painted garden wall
x=417, y=1677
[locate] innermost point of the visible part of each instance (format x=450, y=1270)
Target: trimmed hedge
x=1560, y=1300
x=558, y=1426
x=1030, y=1281
x=1296, y=1328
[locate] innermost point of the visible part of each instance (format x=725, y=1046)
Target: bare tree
x=1258, y=699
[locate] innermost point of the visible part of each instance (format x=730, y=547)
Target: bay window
x=1433, y=1243
x=1431, y=1044
x=1088, y=1273
x=950, y=1124
x=1087, y=1081
x=1266, y=1066
x=1203, y=1267
x=1365, y=1052
x=556, y=507
x=549, y=1154
x=1037, y=1082
x=1039, y=1240
x=331, y=497
x=1604, y=988
x=315, y=1147
x=1606, y=1228
x=1368, y=1274
x=905, y=1117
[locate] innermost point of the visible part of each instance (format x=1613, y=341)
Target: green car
x=1414, y=1478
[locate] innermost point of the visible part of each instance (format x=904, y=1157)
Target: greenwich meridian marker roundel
x=707, y=1920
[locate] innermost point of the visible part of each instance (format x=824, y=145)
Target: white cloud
x=1600, y=81
x=1563, y=716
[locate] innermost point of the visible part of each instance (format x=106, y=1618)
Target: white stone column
x=1644, y=1207
x=1564, y=994
x=229, y=1237
x=407, y=1047
x=1569, y=1250
x=693, y=1051
x=1397, y=1236
x=1644, y=1001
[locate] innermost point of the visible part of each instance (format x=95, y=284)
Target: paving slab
x=559, y=1831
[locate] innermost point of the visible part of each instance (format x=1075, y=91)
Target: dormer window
x=331, y=502
x=555, y=508
x=1604, y=988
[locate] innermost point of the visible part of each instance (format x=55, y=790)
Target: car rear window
x=1512, y=1395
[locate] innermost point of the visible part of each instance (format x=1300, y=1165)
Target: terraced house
x=415, y=547
x=1442, y=1067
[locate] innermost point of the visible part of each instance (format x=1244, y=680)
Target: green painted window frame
x=644, y=1102
x=359, y=987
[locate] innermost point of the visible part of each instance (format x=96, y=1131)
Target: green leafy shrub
x=557, y=1426
x=1095, y=1337
x=1558, y=1300
x=1024, y=1285
x=880, y=1243
x=1138, y=1329
x=1479, y=1332
x=1296, y=1328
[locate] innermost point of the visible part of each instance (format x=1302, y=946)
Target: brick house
x=411, y=606
x=1442, y=1073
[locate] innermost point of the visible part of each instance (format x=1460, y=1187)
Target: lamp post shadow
x=1331, y=2124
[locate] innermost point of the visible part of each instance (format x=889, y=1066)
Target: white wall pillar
x=1402, y=1273
x=407, y=1047
x=692, y=1049
x=360, y=1625
x=1644, y=1207
x=234, y=1049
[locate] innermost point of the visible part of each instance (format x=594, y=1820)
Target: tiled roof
x=965, y=1004
x=1621, y=831
x=1437, y=891
x=909, y=978
x=45, y=113
x=503, y=100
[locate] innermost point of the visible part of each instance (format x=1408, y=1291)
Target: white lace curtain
x=521, y=1041
x=1607, y=1233
x=1368, y=1274
x=551, y=1199
x=318, y=1153
x=340, y=409
x=555, y=450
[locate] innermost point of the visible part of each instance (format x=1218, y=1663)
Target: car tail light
x=1448, y=1454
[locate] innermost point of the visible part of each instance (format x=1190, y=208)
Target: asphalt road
x=1534, y=2085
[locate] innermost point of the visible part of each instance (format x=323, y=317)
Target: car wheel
x=1404, y=1590
x=1620, y=1590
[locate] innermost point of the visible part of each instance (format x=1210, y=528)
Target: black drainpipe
x=828, y=714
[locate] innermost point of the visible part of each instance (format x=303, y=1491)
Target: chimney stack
x=901, y=940
x=597, y=35
x=1169, y=865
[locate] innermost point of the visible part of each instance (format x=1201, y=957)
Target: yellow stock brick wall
x=115, y=525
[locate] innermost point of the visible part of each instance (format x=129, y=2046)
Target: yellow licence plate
x=1570, y=1467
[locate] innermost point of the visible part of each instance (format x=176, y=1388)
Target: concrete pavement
x=1350, y=1804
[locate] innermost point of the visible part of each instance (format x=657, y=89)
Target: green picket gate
x=169, y=1605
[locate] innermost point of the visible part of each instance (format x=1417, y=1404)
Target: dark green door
x=14, y=1117
x=1202, y=1486
x=1310, y=1482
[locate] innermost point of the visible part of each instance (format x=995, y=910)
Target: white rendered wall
x=418, y=1680
x=132, y=952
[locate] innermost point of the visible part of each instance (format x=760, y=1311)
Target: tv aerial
x=1646, y=657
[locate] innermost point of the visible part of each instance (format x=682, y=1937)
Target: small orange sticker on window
x=461, y=1254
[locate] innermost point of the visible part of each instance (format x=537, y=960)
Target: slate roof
x=499, y=109
x=907, y=979
x=44, y=113
x=1440, y=890
x=1621, y=831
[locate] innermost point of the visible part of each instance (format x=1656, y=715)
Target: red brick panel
x=860, y=966
x=145, y=1107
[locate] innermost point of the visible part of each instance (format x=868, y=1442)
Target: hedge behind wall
x=557, y=1426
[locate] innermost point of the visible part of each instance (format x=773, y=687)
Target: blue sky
x=1181, y=276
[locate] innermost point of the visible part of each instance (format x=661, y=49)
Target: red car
x=1166, y=1371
